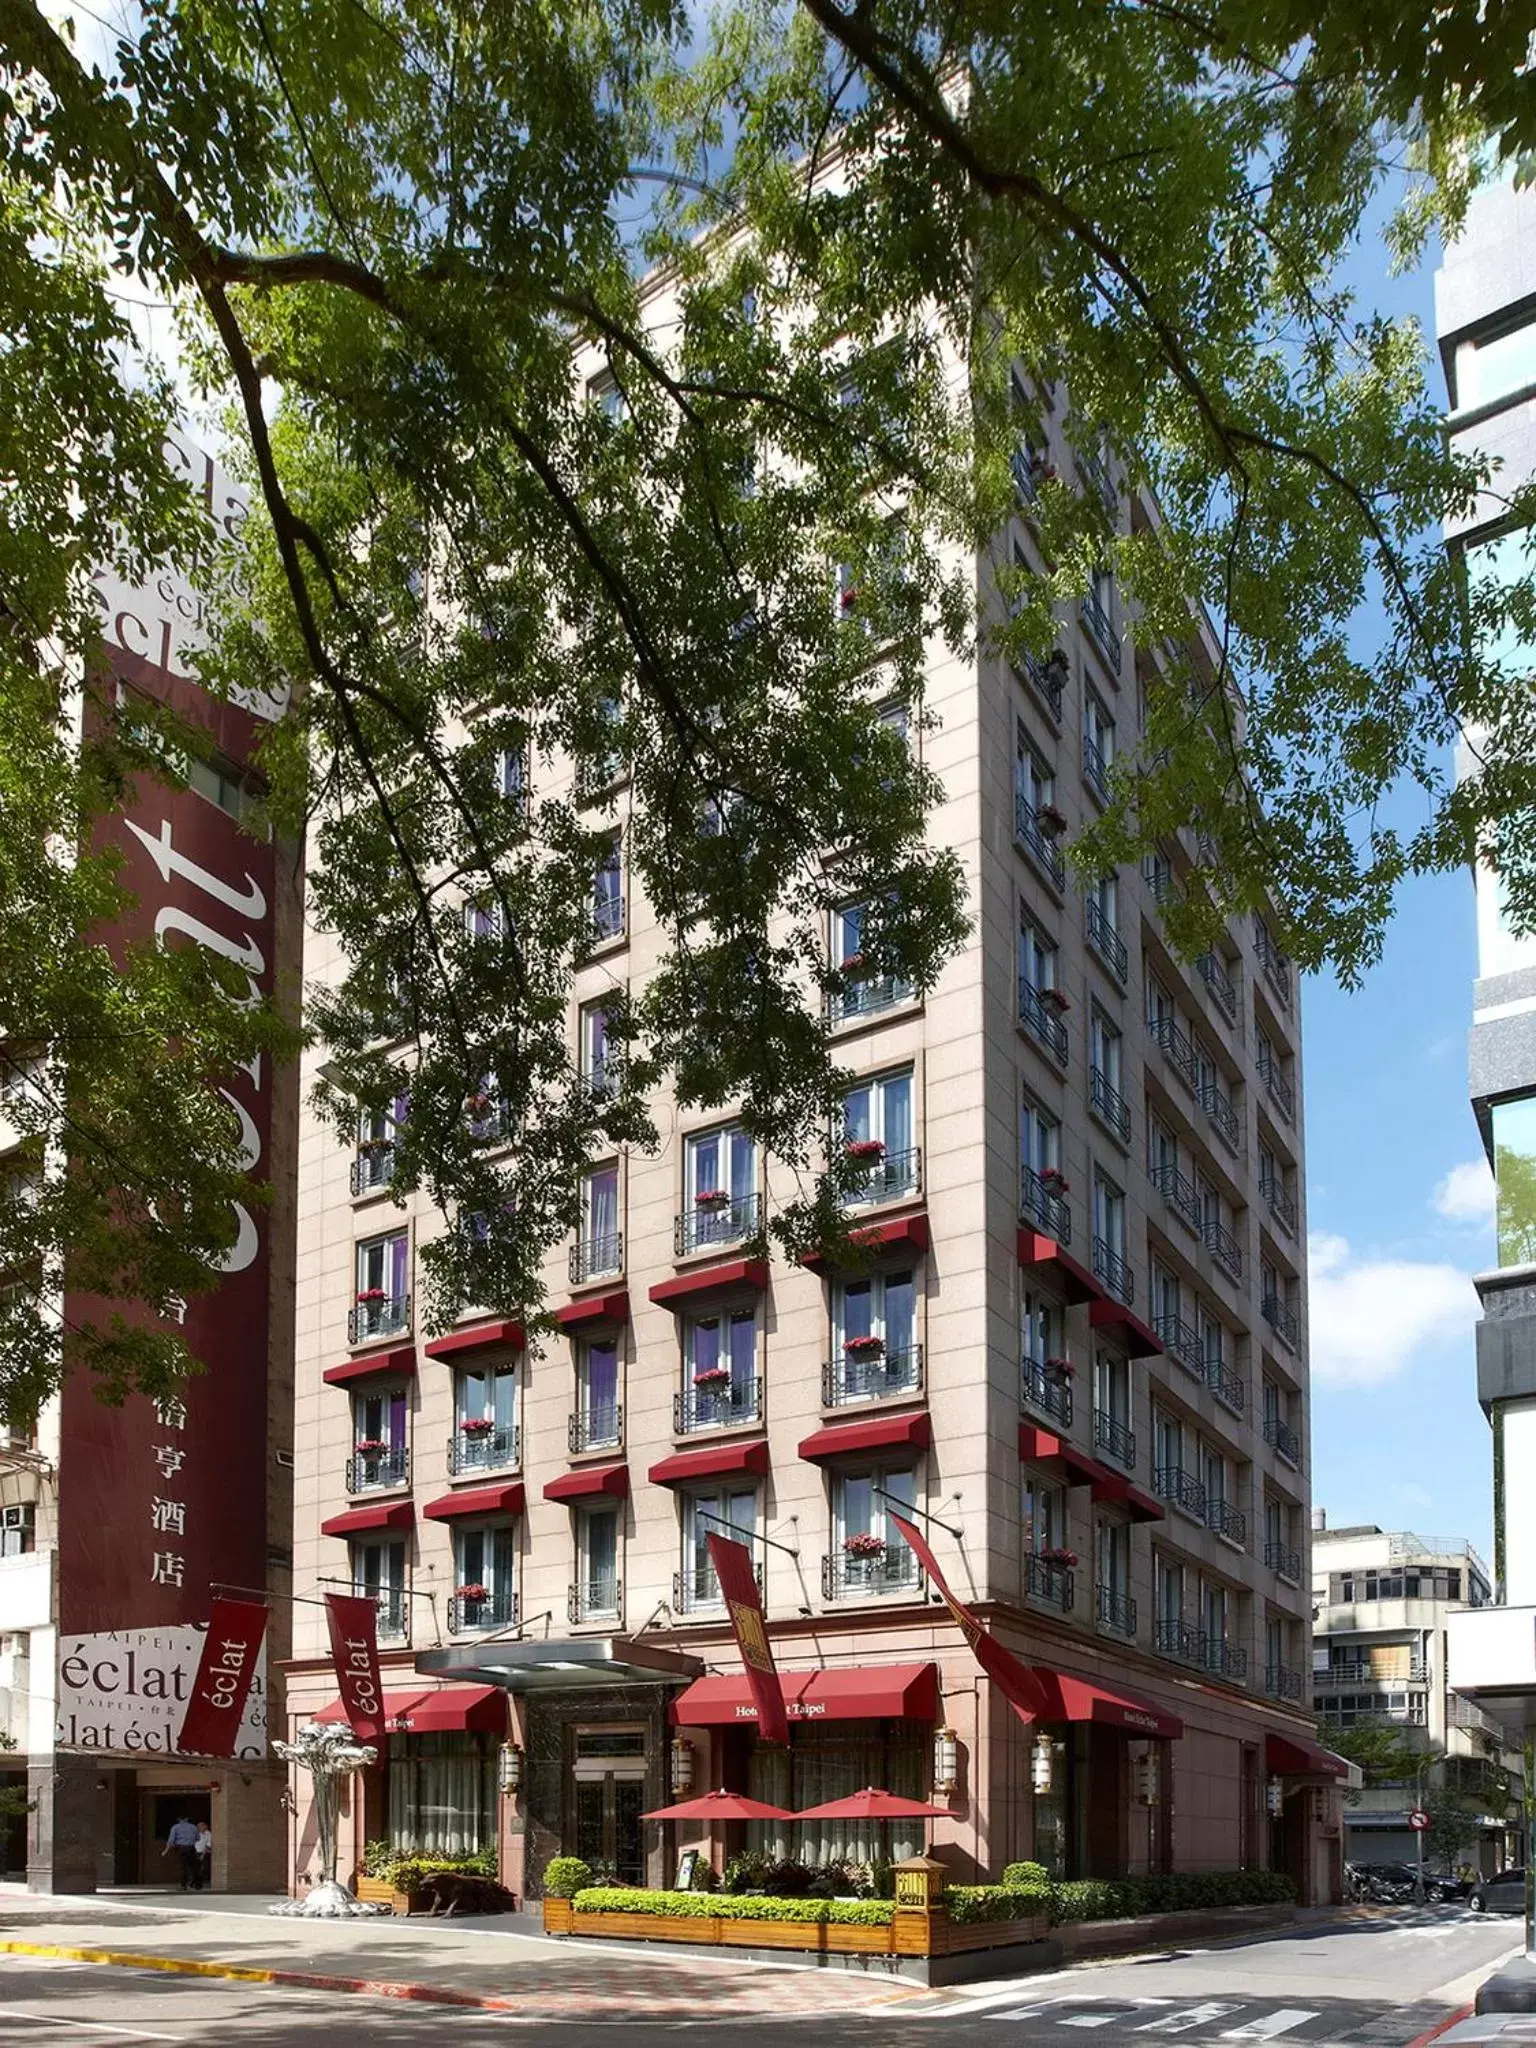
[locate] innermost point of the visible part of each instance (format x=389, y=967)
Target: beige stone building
x=1079, y=1351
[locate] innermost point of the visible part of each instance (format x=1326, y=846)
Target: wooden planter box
x=558, y=1916
x=911, y=1933
x=373, y=1891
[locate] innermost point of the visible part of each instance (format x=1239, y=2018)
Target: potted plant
x=1052, y=1178
x=477, y=1425
x=1061, y=1368
x=1060, y=1558
x=864, y=1347
x=473, y=1595
x=711, y=1198
x=1051, y=819
x=1056, y=998
x=370, y=1446
x=709, y=1379
x=865, y=1151
x=853, y=965
x=370, y=1294
x=864, y=1544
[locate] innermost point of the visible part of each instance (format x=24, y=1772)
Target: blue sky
x=1399, y=1201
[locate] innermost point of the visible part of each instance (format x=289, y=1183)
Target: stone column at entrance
x=69, y=1826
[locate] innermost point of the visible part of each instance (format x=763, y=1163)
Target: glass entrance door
x=608, y=1792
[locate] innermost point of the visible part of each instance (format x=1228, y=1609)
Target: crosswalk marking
x=1269, y=2024
x=1185, y=2022
x=1098, y=2019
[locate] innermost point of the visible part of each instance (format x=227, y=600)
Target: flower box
x=713, y=1377
x=1062, y=1559
x=865, y=1544
x=1053, y=1178
x=1062, y=1368
x=865, y=1347
x=369, y=1446
x=370, y=1294
x=477, y=1425
x=711, y=1198
x=865, y=1151
x=854, y=965
x=472, y=1592
x=1056, y=998
x=375, y=1144
x=1051, y=820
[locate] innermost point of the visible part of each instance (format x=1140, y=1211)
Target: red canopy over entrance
x=445, y=1711
x=1292, y=1756
x=905, y=1692
x=1080, y=1699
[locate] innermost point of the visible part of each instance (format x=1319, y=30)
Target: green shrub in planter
x=565, y=1876
x=1015, y=1874
x=405, y=1870
x=971, y=1904
x=615, y=1898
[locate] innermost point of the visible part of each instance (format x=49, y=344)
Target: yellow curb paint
x=181, y=1966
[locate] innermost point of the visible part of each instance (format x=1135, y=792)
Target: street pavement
x=1383, y=1982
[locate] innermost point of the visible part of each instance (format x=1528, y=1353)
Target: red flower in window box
x=375, y=1144
x=712, y=1377
x=865, y=1151
x=865, y=1347
x=1062, y=1368
x=1056, y=998
x=370, y=1446
x=371, y=1294
x=864, y=1544
x=1053, y=1178
x=711, y=1198
x=476, y=1593
x=477, y=1425
x=854, y=966
x=1064, y=1560
x=477, y=1104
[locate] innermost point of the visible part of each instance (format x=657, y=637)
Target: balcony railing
x=1100, y=628
x=1280, y=1091
x=892, y=1570
x=1038, y=1014
x=867, y=997
x=1116, y=1611
x=597, y=1598
x=392, y=1610
x=1028, y=467
x=1052, y=1583
x=607, y=917
x=1277, y=969
x=1281, y=1437
x=373, y=1471
x=468, y=1617
x=1181, y=1341
x=708, y=1224
x=1109, y=1267
x=886, y=1374
x=1180, y=1489
x=1281, y=1558
x=1045, y=1393
x=373, y=1167
x=1217, y=1105
x=1360, y=1671
x=1225, y=1384
x=485, y=1450
x=1039, y=844
x=388, y=1316
x=1096, y=473
x=1109, y=1105
x=1216, y=978
x=1114, y=1437
x=889, y=1178
x=1177, y=1639
x=1178, y=1049
x=1226, y=1521
x=1107, y=942
x=1095, y=768
x=1178, y=1191
x=733, y=1401
x=1158, y=877
x=1039, y=1203
x=1281, y=1682
x=1281, y=1205
x=1226, y=1660
x=1223, y=1246
x=698, y=1591
x=1046, y=676
x=596, y=1258
x=596, y=1429
x=1282, y=1321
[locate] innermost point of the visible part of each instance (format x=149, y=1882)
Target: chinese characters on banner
x=211, y=1723
x=353, y=1624
x=744, y=1603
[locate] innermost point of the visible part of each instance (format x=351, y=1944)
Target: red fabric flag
x=353, y=1622
x=738, y=1584
x=211, y=1724
x=1020, y=1686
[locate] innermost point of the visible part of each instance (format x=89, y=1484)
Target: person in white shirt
x=204, y=1847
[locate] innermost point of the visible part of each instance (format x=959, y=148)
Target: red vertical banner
x=224, y=1673
x=744, y=1603
x=1015, y=1681
x=353, y=1622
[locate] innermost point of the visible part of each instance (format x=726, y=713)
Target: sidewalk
x=496, y=1962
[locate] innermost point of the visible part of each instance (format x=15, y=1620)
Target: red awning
x=477, y=1500
x=881, y=1433
x=477, y=1339
x=901, y=1234
x=718, y=1462
x=1044, y=1447
x=878, y=1692
x=593, y=1308
x=1292, y=1756
x=401, y=1361
x=588, y=1481
x=1080, y=1699
x=1061, y=1270
x=1117, y=1489
x=447, y=1710
x=1132, y=1332
x=392, y=1514
x=683, y=1288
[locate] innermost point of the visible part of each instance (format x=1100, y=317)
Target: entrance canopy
x=449, y=1709
x=1081, y=1699
x=569, y=1666
x=1291, y=1756
x=898, y=1692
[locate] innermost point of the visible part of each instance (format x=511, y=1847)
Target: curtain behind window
x=833, y=1763
x=442, y=1794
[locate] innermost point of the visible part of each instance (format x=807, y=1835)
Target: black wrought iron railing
x=1052, y=1583
x=1282, y=1206
x=484, y=1450
x=393, y=1610
x=374, y=1471
x=607, y=916
x=1282, y=1321
x=1038, y=843
x=1117, y=1439
x=1101, y=629
x=1108, y=1104
x=1213, y=973
x=1225, y=1384
x=1281, y=1682
x=1106, y=941
x=1177, y=1639
x=876, y=1576
x=1226, y=1660
x=1095, y=768
x=871, y=1376
x=1039, y=1202
x=867, y=996
x=1158, y=877
x=1281, y=1437
x=1223, y=1246
x=1046, y=1393
x=1224, y=1520
x=698, y=1591
x=1180, y=1341
x=889, y=1178
x=1037, y=1013
x=1277, y=969
x=599, y=1597
x=596, y=1429
x=1178, y=1049
x=1217, y=1105
x=1178, y=1191
x=1281, y=1558
x=466, y=1614
x=1047, y=676
x=1116, y=1611
x=1280, y=1090
x=384, y=1316
x=708, y=1224
x=373, y=1168
x=1180, y=1489
x=716, y=1406
x=1112, y=1270
x=596, y=1258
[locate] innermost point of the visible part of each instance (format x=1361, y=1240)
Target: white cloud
x=1466, y=1193
x=1371, y=1316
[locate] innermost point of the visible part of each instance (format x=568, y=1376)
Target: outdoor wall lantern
x=682, y=1764
x=946, y=1763
x=1274, y=1798
x=1040, y=1763
x=1146, y=1778
x=511, y=1767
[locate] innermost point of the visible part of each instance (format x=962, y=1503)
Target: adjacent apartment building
x=1078, y=1348
x=1383, y=1601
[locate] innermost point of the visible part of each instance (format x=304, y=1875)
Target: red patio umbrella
x=873, y=1804
x=720, y=1806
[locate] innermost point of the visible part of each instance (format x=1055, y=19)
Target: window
x=1041, y=1002
x=863, y=992
x=596, y=1054
x=485, y=1568
x=1040, y=1326
x=383, y=1301
x=719, y=1189
x=1109, y=1237
x=720, y=1370
x=486, y=1110
x=1514, y=1173
x=1167, y=1301
x=869, y=1555
x=1495, y=366
x=874, y=1338
x=482, y=920
x=1104, y=1075
x=378, y=1574
x=605, y=393
x=1103, y=925
x=597, y=1565
x=1034, y=780
x=377, y=1130
x=1036, y=817
x=442, y=1794
x=1215, y=1612
x=484, y=1419
x=1167, y=1448
x=600, y=1249
x=1047, y=1371
x=599, y=1420
x=703, y=1514
x=1167, y=1592
x=1098, y=744
x=601, y=761
x=1112, y=1430
x=1039, y=1137
x=512, y=776
x=379, y=1456
x=1098, y=615
x=1042, y=1185
x=608, y=894
x=1044, y=1515
x=1037, y=959
x=1112, y=1574
x=1218, y=1477
x=877, y=1133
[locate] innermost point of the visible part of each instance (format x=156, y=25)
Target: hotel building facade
x=1076, y=1350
